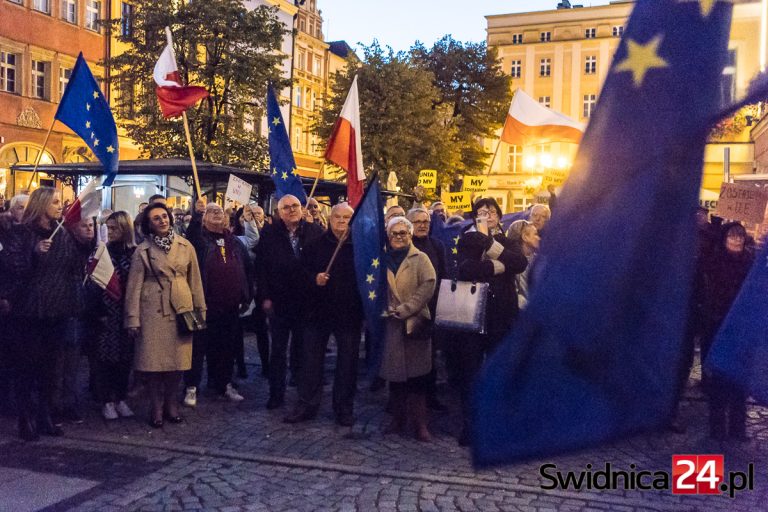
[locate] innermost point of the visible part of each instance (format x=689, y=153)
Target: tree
x=475, y=89
x=231, y=51
x=403, y=128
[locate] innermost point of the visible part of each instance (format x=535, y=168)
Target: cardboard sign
x=475, y=184
x=455, y=201
x=428, y=178
x=742, y=202
x=238, y=190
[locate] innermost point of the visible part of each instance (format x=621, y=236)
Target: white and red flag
x=174, y=97
x=87, y=204
x=101, y=271
x=344, y=147
x=529, y=122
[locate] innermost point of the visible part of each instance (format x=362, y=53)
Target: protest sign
x=475, y=184
x=238, y=190
x=428, y=178
x=742, y=202
x=455, y=201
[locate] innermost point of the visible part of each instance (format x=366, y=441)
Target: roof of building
x=340, y=48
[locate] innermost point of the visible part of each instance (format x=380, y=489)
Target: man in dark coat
x=435, y=250
x=282, y=288
x=333, y=307
x=225, y=270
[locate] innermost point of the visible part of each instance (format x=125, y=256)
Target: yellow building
x=561, y=58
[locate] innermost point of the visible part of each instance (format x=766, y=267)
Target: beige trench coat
x=152, y=308
x=411, y=289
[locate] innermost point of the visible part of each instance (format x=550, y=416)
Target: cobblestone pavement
x=243, y=457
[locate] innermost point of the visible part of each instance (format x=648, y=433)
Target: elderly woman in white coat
x=407, y=357
x=164, y=280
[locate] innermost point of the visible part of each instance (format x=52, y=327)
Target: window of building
x=301, y=61
x=546, y=67
x=318, y=71
x=590, y=65
x=515, y=159
x=311, y=27
x=69, y=11
x=42, y=6
x=92, y=14
x=297, y=99
x=517, y=69
x=126, y=20
x=303, y=25
x=297, y=139
x=618, y=31
x=517, y=38
x=590, y=33
x=545, y=100
x=590, y=100
x=64, y=74
x=8, y=72
x=16, y=1
x=728, y=81
x=39, y=82
x=313, y=104
x=545, y=37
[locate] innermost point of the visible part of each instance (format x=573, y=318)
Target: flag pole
x=336, y=251
x=317, y=179
x=192, y=156
x=495, y=153
x=40, y=154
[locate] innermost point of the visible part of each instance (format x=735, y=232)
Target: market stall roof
x=183, y=168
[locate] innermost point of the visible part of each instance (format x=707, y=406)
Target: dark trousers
x=35, y=346
x=218, y=344
x=345, y=377
x=284, y=329
x=111, y=380
x=259, y=325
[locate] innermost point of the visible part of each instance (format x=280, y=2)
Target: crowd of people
x=271, y=274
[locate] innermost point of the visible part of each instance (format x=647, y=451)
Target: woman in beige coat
x=407, y=357
x=164, y=280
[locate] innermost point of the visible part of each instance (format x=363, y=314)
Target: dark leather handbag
x=187, y=322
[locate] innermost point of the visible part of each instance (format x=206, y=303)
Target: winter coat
x=152, y=306
x=494, y=260
x=435, y=251
x=280, y=276
x=410, y=291
x=113, y=345
x=724, y=274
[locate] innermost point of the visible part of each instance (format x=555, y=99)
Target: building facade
x=561, y=58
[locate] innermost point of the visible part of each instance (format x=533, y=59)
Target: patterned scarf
x=164, y=242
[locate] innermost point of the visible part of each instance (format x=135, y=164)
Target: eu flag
x=85, y=110
x=739, y=353
x=368, y=240
x=282, y=165
x=594, y=355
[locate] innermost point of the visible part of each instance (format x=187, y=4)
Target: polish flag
x=173, y=97
x=529, y=122
x=344, y=146
x=87, y=205
x=101, y=271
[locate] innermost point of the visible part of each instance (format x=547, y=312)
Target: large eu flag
x=368, y=240
x=282, y=165
x=739, y=352
x=595, y=353
x=85, y=110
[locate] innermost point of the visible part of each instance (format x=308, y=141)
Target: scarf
x=394, y=258
x=164, y=242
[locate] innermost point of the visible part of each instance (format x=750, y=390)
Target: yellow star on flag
x=295, y=172
x=456, y=240
x=87, y=124
x=375, y=263
x=369, y=278
x=454, y=251
x=96, y=142
x=95, y=94
x=285, y=176
x=641, y=58
x=87, y=106
x=275, y=121
x=706, y=6
x=93, y=135
x=274, y=171
x=110, y=149
x=371, y=295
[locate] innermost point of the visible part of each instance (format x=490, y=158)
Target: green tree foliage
x=472, y=85
x=404, y=126
x=231, y=51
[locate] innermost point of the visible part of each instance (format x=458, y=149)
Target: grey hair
x=394, y=221
x=15, y=200
x=541, y=206
x=339, y=206
x=413, y=211
x=435, y=204
x=516, y=229
x=285, y=198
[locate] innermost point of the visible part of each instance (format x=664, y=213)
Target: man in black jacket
x=334, y=307
x=282, y=288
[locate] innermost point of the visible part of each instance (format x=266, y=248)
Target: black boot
x=28, y=429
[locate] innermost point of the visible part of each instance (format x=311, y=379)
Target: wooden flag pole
x=495, y=153
x=317, y=179
x=336, y=251
x=40, y=155
x=192, y=156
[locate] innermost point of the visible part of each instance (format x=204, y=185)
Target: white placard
x=238, y=190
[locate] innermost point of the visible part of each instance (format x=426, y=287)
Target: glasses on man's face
x=398, y=234
x=487, y=213
x=290, y=207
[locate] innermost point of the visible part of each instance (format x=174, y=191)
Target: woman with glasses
x=315, y=215
x=723, y=277
x=164, y=281
x=407, y=359
x=485, y=254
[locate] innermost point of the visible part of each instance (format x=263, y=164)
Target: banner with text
x=742, y=202
x=428, y=178
x=475, y=184
x=455, y=201
x=238, y=190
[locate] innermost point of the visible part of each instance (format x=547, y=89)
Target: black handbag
x=187, y=322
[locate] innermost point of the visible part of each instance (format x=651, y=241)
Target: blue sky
x=398, y=23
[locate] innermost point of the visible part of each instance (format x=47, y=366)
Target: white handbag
x=461, y=306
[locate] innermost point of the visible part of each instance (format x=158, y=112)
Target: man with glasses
x=435, y=250
x=282, y=289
